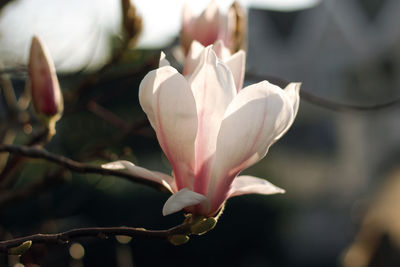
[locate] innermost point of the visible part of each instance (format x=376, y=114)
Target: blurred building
x=346, y=51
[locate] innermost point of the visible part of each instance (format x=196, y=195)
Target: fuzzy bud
x=21, y=249
x=46, y=94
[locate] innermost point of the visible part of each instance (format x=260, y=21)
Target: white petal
x=166, y=98
x=163, y=61
x=245, y=184
x=193, y=57
x=221, y=50
x=182, y=199
x=292, y=93
x=213, y=88
x=161, y=178
x=257, y=115
x=236, y=63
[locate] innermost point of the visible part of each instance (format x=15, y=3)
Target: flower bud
x=21, y=249
x=46, y=94
x=213, y=25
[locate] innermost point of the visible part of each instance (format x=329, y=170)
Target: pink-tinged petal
x=207, y=25
x=221, y=50
x=193, y=57
x=236, y=63
x=183, y=199
x=245, y=184
x=158, y=177
x=163, y=61
x=46, y=93
x=257, y=115
x=213, y=88
x=166, y=98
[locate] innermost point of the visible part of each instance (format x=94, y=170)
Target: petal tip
x=163, y=60
x=182, y=199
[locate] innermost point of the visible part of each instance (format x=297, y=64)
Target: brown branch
x=40, y=153
x=108, y=116
x=323, y=102
x=8, y=92
x=99, y=232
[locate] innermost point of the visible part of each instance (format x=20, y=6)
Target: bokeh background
x=338, y=164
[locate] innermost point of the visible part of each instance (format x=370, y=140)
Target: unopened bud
x=21, y=249
x=46, y=94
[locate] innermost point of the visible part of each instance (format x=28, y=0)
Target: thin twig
x=108, y=116
x=36, y=152
x=14, y=162
x=99, y=232
x=8, y=92
x=323, y=102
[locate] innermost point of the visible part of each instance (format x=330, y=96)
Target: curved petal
x=182, y=199
x=166, y=98
x=213, y=89
x=163, y=61
x=161, y=178
x=221, y=50
x=206, y=27
x=193, y=57
x=236, y=63
x=245, y=184
x=257, y=115
x=292, y=93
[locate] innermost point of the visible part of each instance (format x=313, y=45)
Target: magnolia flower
x=46, y=94
x=210, y=131
x=212, y=25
